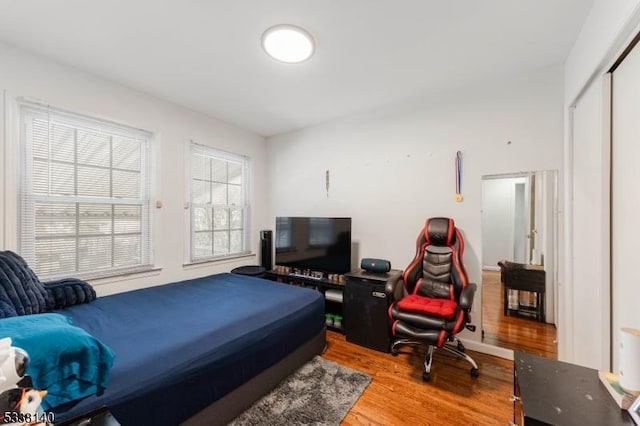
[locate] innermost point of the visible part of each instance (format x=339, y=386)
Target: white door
x=520, y=223
x=625, y=198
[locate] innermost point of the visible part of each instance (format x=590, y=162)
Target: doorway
x=519, y=213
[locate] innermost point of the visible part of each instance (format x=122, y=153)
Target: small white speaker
x=630, y=359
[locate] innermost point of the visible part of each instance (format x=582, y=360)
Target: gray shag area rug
x=320, y=392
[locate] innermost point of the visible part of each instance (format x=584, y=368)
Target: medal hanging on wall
x=326, y=181
x=458, y=168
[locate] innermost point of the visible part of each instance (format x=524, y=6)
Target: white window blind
x=219, y=204
x=84, y=194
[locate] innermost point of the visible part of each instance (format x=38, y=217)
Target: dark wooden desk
x=521, y=277
x=557, y=393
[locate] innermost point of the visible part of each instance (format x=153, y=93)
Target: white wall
x=606, y=32
x=603, y=34
x=22, y=74
x=498, y=221
x=392, y=169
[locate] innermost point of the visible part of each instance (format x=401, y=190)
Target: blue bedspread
x=179, y=347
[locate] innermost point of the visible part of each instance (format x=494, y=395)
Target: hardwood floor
x=397, y=395
x=513, y=332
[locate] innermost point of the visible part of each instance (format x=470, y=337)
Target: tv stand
x=303, y=276
x=333, y=305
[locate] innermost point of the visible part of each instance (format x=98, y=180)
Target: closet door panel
x=625, y=193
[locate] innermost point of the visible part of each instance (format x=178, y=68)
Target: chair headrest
x=440, y=231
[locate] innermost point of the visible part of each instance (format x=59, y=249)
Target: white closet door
x=590, y=337
x=625, y=191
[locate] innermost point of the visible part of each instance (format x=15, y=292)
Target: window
x=84, y=194
x=219, y=204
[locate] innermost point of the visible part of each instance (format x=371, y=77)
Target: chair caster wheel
x=461, y=347
x=475, y=372
x=393, y=351
x=425, y=376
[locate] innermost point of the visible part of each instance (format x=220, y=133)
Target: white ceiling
x=206, y=54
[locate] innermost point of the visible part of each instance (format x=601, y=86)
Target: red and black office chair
x=431, y=301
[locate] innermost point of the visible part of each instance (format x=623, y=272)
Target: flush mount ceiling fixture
x=288, y=43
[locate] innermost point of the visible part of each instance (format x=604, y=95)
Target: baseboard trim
x=487, y=349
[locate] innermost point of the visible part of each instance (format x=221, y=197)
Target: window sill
x=219, y=261
x=124, y=276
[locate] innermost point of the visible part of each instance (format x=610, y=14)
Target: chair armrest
x=394, y=288
x=466, y=296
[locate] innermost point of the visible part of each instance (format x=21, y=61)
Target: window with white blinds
x=84, y=194
x=219, y=204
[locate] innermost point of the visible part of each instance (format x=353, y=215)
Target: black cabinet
x=366, y=304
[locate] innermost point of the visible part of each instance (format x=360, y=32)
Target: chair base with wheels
x=457, y=350
x=431, y=301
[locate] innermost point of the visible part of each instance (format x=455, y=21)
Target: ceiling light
x=288, y=43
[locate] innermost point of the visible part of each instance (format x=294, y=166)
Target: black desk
x=521, y=277
x=557, y=393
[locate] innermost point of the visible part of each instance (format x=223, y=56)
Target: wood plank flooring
x=513, y=332
x=397, y=395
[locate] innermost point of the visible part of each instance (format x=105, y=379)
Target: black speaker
x=378, y=266
x=266, y=249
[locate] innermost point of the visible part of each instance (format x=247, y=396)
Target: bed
x=198, y=351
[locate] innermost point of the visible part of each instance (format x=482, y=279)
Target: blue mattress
x=182, y=346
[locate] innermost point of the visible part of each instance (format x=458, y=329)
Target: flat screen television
x=314, y=243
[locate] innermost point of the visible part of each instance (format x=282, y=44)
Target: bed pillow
x=69, y=292
x=20, y=288
x=64, y=360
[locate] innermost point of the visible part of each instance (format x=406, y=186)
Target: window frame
x=27, y=111
x=244, y=207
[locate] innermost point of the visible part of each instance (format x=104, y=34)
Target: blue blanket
x=65, y=360
x=179, y=347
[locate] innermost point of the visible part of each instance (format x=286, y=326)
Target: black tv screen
x=315, y=243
